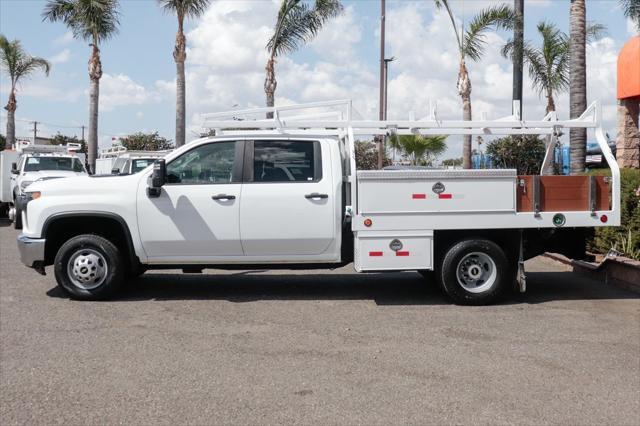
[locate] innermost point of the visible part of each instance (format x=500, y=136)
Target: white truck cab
x=36, y=163
x=285, y=193
x=121, y=161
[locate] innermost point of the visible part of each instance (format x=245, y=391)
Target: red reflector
x=604, y=218
x=375, y=253
x=419, y=196
x=445, y=196
x=368, y=222
x=402, y=253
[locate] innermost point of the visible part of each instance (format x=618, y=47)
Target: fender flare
x=133, y=257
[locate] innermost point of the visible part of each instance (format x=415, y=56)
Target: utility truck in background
x=284, y=192
x=118, y=160
x=27, y=164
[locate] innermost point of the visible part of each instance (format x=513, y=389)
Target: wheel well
x=507, y=239
x=59, y=230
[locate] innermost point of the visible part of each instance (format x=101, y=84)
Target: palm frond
x=298, y=23
x=18, y=63
x=444, y=4
x=91, y=20
x=498, y=17
x=595, y=31
x=631, y=9
x=185, y=8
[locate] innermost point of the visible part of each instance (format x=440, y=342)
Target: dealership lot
x=301, y=347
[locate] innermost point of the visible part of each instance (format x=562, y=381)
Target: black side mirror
x=158, y=178
x=14, y=169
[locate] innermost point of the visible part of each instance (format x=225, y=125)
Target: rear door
x=287, y=205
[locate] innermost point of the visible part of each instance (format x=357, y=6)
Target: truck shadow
x=383, y=289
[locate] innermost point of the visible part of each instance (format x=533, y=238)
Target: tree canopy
x=146, y=142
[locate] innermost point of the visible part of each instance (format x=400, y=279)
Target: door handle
x=316, y=195
x=223, y=197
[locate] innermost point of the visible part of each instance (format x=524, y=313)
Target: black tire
x=84, y=254
x=17, y=221
x=484, y=269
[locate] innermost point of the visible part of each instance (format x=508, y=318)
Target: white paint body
x=274, y=223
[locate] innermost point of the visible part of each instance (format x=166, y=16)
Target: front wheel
x=17, y=220
x=89, y=267
x=474, y=272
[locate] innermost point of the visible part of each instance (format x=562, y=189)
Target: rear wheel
x=474, y=272
x=89, y=267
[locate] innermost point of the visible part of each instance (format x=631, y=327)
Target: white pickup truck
x=35, y=163
x=285, y=193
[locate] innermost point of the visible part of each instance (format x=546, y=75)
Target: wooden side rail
x=563, y=193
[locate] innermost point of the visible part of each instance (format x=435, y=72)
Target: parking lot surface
x=304, y=347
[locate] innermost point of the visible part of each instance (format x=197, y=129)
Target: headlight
x=25, y=183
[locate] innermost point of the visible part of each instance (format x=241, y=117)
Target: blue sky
x=226, y=63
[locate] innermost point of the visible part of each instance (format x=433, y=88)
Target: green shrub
x=626, y=237
x=523, y=153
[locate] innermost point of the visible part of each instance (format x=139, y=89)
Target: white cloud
x=64, y=39
x=226, y=60
x=61, y=57
x=120, y=90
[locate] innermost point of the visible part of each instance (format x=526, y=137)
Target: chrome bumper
x=31, y=251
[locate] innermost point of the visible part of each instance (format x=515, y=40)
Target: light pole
x=518, y=54
x=382, y=84
x=386, y=96
x=386, y=85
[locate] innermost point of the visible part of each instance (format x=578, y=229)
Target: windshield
x=141, y=164
x=69, y=164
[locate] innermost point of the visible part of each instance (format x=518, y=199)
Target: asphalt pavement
x=300, y=347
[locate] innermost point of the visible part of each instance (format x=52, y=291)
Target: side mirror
x=158, y=178
x=14, y=169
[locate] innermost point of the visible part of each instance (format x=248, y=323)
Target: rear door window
x=286, y=161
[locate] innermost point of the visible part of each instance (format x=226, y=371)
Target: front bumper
x=31, y=251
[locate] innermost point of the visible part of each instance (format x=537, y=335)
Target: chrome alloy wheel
x=87, y=269
x=476, y=272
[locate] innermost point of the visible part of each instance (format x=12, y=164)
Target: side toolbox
x=393, y=250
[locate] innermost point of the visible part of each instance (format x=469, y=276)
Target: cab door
x=287, y=206
x=196, y=217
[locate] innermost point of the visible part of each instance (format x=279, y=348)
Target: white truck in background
x=121, y=161
x=285, y=193
x=27, y=164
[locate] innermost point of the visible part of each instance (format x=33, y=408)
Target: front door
x=287, y=206
x=196, y=216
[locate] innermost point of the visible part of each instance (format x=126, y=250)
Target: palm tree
x=577, y=83
x=471, y=43
x=419, y=149
x=298, y=23
x=18, y=64
x=631, y=9
x=182, y=9
x=94, y=21
x=548, y=64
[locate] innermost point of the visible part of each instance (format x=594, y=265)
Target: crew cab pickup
x=285, y=193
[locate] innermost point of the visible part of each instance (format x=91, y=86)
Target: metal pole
x=35, y=131
x=382, y=63
x=518, y=54
x=82, y=133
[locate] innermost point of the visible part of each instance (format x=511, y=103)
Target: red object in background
x=629, y=69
